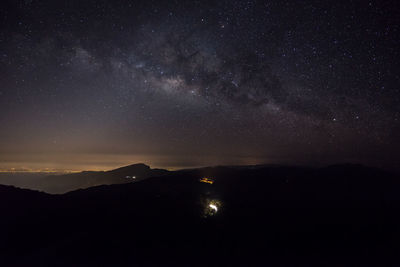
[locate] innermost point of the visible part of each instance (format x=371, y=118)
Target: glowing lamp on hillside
x=212, y=207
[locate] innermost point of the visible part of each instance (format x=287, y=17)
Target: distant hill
x=58, y=184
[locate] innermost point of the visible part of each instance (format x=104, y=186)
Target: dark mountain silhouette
x=58, y=184
x=339, y=215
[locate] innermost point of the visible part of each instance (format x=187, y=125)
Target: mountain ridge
x=62, y=183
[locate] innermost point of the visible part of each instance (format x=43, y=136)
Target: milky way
x=98, y=84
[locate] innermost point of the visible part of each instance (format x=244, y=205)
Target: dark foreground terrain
x=339, y=215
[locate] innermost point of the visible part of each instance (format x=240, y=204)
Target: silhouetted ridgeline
x=59, y=184
x=342, y=214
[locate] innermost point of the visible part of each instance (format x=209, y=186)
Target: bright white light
x=214, y=207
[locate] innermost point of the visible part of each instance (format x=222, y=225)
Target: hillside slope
x=338, y=214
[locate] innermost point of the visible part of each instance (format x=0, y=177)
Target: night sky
x=175, y=84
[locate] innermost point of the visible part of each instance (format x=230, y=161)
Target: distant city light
x=207, y=180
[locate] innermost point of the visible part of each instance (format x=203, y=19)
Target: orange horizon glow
x=72, y=163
